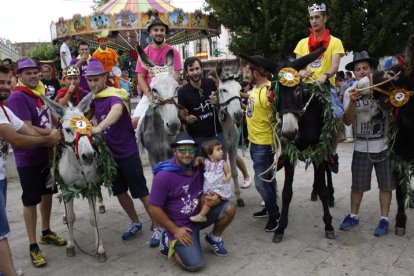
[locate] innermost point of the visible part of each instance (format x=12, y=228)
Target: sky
x=29, y=20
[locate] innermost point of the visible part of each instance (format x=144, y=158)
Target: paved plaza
x=303, y=251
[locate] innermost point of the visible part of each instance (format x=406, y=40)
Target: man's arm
x=350, y=110
x=332, y=71
x=182, y=234
x=17, y=140
x=62, y=56
x=39, y=130
x=143, y=86
x=177, y=75
x=113, y=116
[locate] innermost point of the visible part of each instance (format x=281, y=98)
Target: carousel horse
x=306, y=133
x=160, y=125
x=230, y=113
x=77, y=165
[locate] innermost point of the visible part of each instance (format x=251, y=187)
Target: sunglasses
x=186, y=150
x=201, y=93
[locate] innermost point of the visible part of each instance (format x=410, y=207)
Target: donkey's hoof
x=314, y=197
x=330, y=235
x=399, y=231
x=64, y=220
x=331, y=203
x=240, y=202
x=277, y=238
x=101, y=257
x=70, y=251
x=102, y=209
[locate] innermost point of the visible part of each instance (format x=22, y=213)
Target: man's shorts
x=362, y=164
x=191, y=256
x=337, y=107
x=142, y=107
x=4, y=223
x=130, y=176
x=35, y=181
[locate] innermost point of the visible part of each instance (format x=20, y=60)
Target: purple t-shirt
x=178, y=195
x=25, y=108
x=157, y=56
x=120, y=137
x=83, y=82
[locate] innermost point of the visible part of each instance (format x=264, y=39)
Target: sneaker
x=382, y=228
x=218, y=247
x=348, y=140
x=52, y=238
x=261, y=214
x=156, y=236
x=333, y=163
x=271, y=224
x=348, y=222
x=134, y=229
x=164, y=244
x=38, y=260
x=246, y=183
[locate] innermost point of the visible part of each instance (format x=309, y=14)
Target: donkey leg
x=101, y=205
x=331, y=198
x=94, y=221
x=234, y=174
x=401, y=217
x=323, y=195
x=70, y=218
x=314, y=193
x=286, y=199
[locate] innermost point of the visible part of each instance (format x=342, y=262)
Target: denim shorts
x=191, y=256
x=4, y=223
x=337, y=106
x=130, y=176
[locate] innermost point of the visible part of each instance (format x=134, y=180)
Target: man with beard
x=33, y=164
x=18, y=134
x=198, y=98
x=156, y=52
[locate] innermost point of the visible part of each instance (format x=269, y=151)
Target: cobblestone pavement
x=304, y=250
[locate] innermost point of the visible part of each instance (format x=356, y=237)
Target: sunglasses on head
x=186, y=150
x=201, y=93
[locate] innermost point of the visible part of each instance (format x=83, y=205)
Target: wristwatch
x=328, y=75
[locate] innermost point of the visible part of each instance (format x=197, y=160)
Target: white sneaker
x=246, y=183
x=262, y=204
x=348, y=140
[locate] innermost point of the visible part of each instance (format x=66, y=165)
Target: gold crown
x=317, y=8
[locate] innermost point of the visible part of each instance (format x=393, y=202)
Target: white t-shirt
x=371, y=124
x=4, y=146
x=67, y=55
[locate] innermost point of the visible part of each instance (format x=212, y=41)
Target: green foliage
x=273, y=27
x=45, y=51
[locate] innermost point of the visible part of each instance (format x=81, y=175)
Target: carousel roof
x=126, y=21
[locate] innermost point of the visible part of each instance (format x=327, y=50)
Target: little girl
x=217, y=176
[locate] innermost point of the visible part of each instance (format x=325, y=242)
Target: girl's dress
x=213, y=179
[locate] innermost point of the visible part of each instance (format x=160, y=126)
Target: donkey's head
x=289, y=92
x=73, y=122
x=229, y=89
x=163, y=90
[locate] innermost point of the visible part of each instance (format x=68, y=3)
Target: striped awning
x=115, y=6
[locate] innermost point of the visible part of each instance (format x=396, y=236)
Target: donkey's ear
x=146, y=62
x=302, y=62
x=219, y=69
x=83, y=106
x=169, y=58
x=57, y=108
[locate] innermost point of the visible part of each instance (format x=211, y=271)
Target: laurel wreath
x=106, y=169
x=319, y=152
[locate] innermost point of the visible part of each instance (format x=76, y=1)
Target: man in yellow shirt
x=260, y=120
x=324, y=68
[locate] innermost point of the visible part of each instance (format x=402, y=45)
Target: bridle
x=223, y=106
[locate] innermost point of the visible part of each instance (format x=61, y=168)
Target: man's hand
x=71, y=88
x=96, y=130
x=84, y=56
x=213, y=98
x=322, y=79
x=354, y=95
x=305, y=74
x=190, y=119
x=212, y=199
x=54, y=137
x=182, y=234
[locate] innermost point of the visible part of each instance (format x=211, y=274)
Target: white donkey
x=77, y=165
x=230, y=113
x=158, y=128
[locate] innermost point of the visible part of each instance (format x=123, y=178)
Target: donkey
x=230, y=113
x=302, y=119
x=77, y=166
x=158, y=128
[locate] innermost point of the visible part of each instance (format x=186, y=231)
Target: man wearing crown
x=324, y=68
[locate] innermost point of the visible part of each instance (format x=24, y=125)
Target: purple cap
x=95, y=68
x=25, y=63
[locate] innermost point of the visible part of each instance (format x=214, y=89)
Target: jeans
x=263, y=157
x=4, y=224
x=337, y=107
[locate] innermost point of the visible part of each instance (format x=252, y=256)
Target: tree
x=273, y=27
x=45, y=51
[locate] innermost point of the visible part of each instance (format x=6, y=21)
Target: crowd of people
x=190, y=191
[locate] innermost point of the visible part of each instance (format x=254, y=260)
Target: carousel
x=125, y=21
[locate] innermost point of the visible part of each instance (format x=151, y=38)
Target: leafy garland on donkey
x=315, y=153
x=106, y=168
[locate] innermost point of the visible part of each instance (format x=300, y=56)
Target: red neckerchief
x=4, y=110
x=76, y=94
x=314, y=43
x=28, y=91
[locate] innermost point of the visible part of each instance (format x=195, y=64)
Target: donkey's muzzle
x=87, y=158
